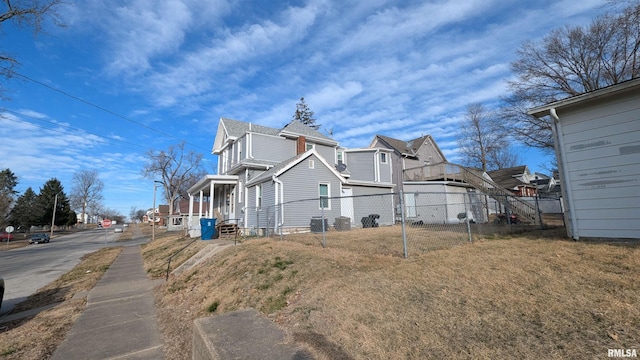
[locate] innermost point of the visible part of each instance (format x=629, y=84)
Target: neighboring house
x=260, y=168
x=547, y=186
x=597, y=143
x=161, y=214
x=409, y=155
x=516, y=179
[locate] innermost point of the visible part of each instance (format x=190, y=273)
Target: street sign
x=106, y=223
x=9, y=229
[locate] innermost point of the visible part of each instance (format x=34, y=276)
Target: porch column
x=211, y=187
x=200, y=206
x=190, y=225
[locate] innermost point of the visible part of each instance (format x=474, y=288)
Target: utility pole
x=53, y=218
x=153, y=222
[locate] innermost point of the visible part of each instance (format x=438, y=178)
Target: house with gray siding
x=273, y=179
x=597, y=143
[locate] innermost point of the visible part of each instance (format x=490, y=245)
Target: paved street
x=27, y=269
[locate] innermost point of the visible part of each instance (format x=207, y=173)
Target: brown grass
x=36, y=337
x=156, y=254
x=525, y=296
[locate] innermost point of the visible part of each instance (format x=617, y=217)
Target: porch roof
x=205, y=183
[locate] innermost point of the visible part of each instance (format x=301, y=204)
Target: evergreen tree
x=305, y=115
x=8, y=182
x=47, y=199
x=26, y=212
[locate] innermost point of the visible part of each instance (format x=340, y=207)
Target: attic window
x=309, y=146
x=312, y=164
x=383, y=158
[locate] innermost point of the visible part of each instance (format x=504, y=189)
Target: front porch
x=214, y=196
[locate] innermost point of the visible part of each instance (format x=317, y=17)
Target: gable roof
x=296, y=128
x=408, y=148
x=288, y=164
x=231, y=130
x=507, y=177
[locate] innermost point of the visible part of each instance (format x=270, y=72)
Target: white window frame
x=327, y=196
x=259, y=196
x=383, y=158
x=312, y=164
x=309, y=146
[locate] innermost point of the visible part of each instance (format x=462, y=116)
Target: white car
x=118, y=230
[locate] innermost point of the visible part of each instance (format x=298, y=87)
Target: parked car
x=118, y=230
x=5, y=236
x=38, y=238
x=1, y=290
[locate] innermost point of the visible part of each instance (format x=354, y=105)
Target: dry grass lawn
x=36, y=337
x=528, y=296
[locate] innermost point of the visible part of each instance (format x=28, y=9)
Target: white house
x=597, y=141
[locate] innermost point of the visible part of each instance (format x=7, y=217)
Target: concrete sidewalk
x=120, y=319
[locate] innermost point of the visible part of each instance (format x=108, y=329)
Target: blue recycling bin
x=207, y=228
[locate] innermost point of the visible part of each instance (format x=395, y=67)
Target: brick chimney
x=301, y=145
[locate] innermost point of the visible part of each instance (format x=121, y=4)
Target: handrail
x=174, y=254
x=493, y=189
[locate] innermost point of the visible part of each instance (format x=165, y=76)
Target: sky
x=125, y=77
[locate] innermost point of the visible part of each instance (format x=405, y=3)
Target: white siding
x=602, y=160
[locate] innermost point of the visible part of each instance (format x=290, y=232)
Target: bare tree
x=305, y=115
x=568, y=62
x=86, y=190
x=175, y=169
x=482, y=141
x=27, y=14
x=136, y=215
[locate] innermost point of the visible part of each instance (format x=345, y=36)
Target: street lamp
x=153, y=221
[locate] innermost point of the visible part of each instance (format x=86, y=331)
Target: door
x=346, y=203
x=410, y=205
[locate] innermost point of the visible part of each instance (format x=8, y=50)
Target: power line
x=101, y=108
x=64, y=126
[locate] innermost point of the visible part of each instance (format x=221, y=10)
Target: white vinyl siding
x=602, y=159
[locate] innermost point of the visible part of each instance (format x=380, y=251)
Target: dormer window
x=383, y=158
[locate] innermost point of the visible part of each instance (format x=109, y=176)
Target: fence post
x=466, y=214
x=324, y=235
x=402, y=221
x=539, y=212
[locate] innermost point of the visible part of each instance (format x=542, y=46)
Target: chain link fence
x=395, y=224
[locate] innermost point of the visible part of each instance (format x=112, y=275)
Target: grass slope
x=524, y=297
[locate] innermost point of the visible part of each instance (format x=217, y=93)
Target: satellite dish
x=341, y=167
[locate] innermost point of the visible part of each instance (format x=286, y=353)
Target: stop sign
x=106, y=223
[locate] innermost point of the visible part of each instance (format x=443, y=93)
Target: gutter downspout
x=279, y=199
x=376, y=166
x=566, y=185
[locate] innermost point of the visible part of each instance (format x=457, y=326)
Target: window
x=383, y=158
x=323, y=191
x=240, y=192
x=239, y=144
x=309, y=146
x=340, y=157
x=312, y=164
x=259, y=196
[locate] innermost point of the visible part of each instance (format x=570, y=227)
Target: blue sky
x=130, y=76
